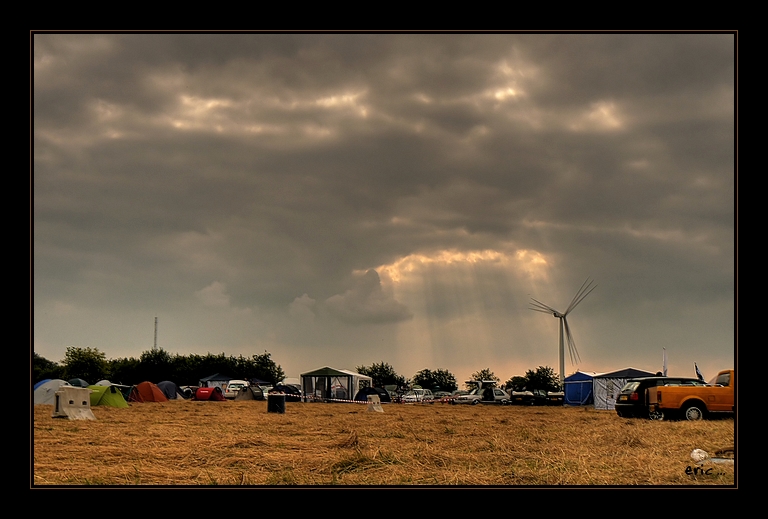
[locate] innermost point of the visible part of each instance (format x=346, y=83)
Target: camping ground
x=240, y=443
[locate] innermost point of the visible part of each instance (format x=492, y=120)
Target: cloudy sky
x=346, y=199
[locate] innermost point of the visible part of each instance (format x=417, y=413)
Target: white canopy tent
x=333, y=384
x=606, y=386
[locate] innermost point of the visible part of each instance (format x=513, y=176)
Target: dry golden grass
x=240, y=443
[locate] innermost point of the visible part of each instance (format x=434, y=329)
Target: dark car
x=292, y=393
x=637, y=394
x=537, y=397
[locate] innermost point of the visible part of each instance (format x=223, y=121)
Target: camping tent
x=146, y=392
x=171, y=390
x=250, y=393
x=578, y=388
x=333, y=384
x=210, y=393
x=78, y=382
x=606, y=386
x=107, y=395
x=45, y=392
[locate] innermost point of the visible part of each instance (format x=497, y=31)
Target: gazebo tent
x=578, y=388
x=606, y=386
x=333, y=384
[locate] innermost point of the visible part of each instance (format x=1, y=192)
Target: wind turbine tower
x=565, y=330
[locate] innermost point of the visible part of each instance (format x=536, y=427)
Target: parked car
x=633, y=399
x=695, y=401
x=234, y=387
x=418, y=395
x=486, y=396
x=292, y=393
x=537, y=397
x=443, y=396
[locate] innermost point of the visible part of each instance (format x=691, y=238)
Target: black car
x=637, y=394
x=537, y=397
x=292, y=393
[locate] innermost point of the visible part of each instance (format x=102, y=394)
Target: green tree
x=43, y=368
x=263, y=367
x=516, y=383
x=543, y=378
x=439, y=379
x=156, y=366
x=125, y=371
x=382, y=374
x=483, y=374
x=90, y=364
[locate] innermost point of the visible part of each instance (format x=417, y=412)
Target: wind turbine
x=538, y=306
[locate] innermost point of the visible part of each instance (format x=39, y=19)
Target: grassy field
x=240, y=443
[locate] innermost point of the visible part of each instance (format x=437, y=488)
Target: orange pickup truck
x=694, y=402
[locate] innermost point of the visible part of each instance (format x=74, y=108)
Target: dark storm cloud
x=366, y=302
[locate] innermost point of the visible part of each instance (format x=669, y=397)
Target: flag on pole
x=698, y=373
x=664, y=370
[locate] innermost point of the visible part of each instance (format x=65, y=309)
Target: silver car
x=418, y=395
x=476, y=396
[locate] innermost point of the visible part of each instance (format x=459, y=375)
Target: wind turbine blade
x=541, y=307
x=586, y=288
x=572, y=351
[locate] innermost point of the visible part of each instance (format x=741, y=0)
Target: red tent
x=210, y=393
x=146, y=392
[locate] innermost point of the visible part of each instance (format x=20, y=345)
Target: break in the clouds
x=345, y=199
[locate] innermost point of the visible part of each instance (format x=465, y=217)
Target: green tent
x=107, y=395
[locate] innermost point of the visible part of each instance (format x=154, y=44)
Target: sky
x=348, y=199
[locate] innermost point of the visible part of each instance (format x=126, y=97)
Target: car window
x=630, y=387
x=724, y=379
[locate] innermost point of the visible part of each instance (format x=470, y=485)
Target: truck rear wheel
x=693, y=412
x=656, y=415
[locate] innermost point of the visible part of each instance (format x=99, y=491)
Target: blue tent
x=578, y=388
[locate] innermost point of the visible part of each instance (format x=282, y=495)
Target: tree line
x=92, y=365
